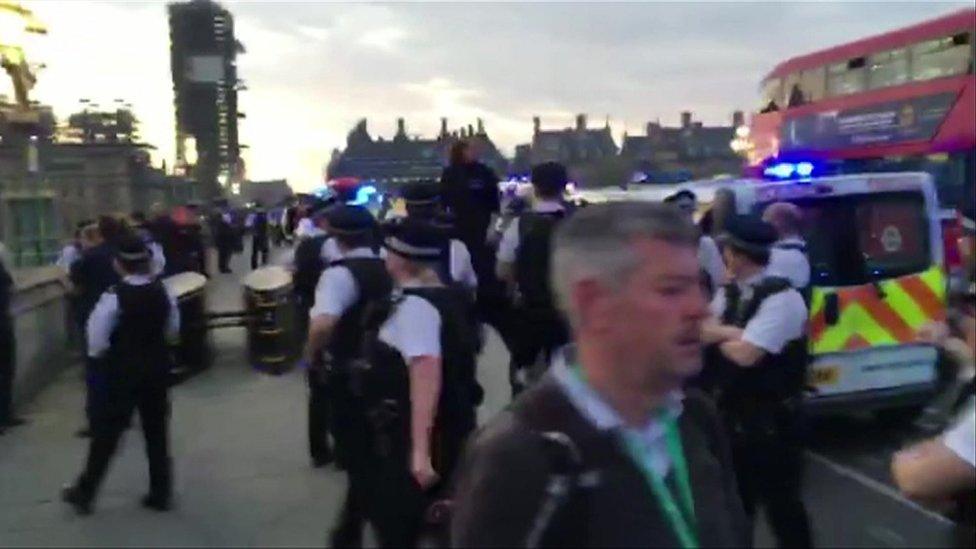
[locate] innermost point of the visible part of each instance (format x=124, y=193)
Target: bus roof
x=948, y=24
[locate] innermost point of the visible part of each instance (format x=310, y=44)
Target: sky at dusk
x=314, y=69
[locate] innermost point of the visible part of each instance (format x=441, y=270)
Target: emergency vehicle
x=877, y=276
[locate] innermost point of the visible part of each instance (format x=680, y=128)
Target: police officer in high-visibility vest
x=422, y=201
x=523, y=263
x=788, y=258
x=343, y=292
x=130, y=363
x=420, y=390
x=758, y=350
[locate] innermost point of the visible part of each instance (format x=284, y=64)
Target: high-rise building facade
x=203, y=52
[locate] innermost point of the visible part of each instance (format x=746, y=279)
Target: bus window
x=813, y=82
x=888, y=68
x=948, y=56
x=792, y=92
x=846, y=78
x=771, y=94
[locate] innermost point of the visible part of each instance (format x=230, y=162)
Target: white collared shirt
x=414, y=327
x=105, y=316
x=781, y=318
x=336, y=289
x=790, y=264
x=601, y=415
x=508, y=247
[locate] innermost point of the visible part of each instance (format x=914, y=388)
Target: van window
x=892, y=237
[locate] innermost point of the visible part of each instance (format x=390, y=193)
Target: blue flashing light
x=789, y=170
x=363, y=195
x=783, y=170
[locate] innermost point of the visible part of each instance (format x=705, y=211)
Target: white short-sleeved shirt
x=105, y=316
x=961, y=437
x=790, y=264
x=330, y=251
x=68, y=256
x=460, y=266
x=710, y=260
x=306, y=228
x=781, y=318
x=413, y=328
x=508, y=247
x=336, y=290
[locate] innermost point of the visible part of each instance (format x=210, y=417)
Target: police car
x=877, y=276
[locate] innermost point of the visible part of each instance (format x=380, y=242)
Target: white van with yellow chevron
x=877, y=276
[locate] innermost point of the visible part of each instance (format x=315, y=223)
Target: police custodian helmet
x=414, y=239
x=748, y=232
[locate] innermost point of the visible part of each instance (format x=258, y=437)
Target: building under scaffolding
x=203, y=52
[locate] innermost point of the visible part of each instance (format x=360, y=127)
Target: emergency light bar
x=788, y=170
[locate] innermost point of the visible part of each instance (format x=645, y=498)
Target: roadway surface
x=243, y=478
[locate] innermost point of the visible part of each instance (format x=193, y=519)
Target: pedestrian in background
x=128, y=346
x=257, y=222
x=607, y=450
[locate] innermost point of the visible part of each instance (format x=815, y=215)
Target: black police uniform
x=259, y=239
x=393, y=502
x=539, y=326
x=308, y=264
x=761, y=408
x=132, y=375
x=7, y=353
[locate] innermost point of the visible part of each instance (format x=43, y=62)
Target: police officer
x=420, y=391
x=307, y=265
x=709, y=257
x=342, y=294
x=422, y=201
x=759, y=355
x=127, y=344
x=257, y=222
x=788, y=258
x=523, y=264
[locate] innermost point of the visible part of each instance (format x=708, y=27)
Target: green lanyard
x=682, y=518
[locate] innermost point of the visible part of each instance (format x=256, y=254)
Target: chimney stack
x=481, y=127
x=580, y=122
x=738, y=119
x=443, y=127
x=470, y=130
x=536, y=125
x=401, y=127
x=685, y=119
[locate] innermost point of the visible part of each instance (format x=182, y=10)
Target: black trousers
x=8, y=363
x=224, y=252
x=768, y=458
x=110, y=418
x=391, y=500
x=259, y=248
x=318, y=416
x=535, y=331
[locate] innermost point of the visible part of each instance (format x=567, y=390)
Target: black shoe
x=83, y=433
x=157, y=503
x=73, y=496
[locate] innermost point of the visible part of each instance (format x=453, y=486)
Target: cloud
x=314, y=69
x=384, y=39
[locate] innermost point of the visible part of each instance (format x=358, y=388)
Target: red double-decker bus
x=900, y=101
